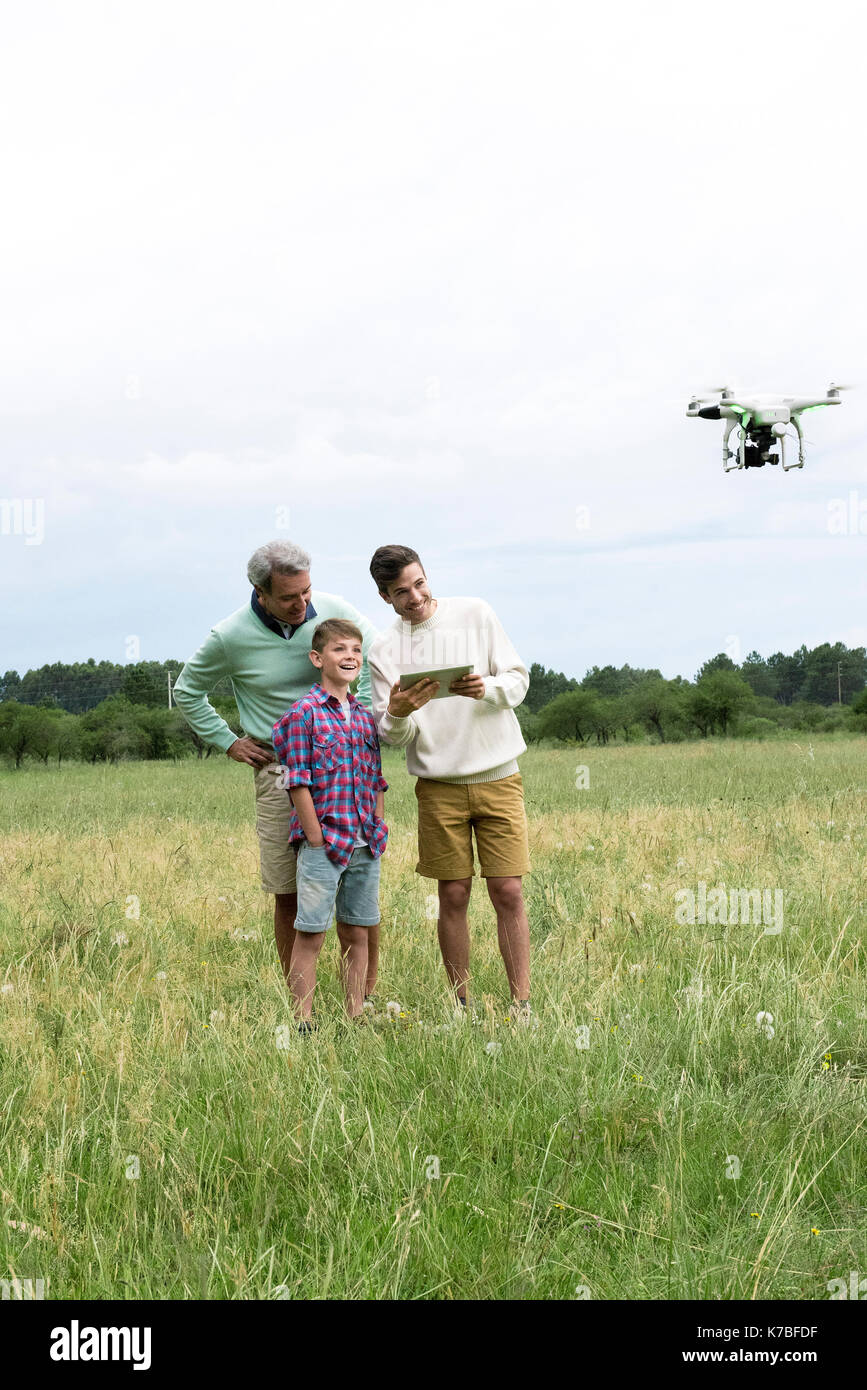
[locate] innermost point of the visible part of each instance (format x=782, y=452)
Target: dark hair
x=331, y=628
x=388, y=562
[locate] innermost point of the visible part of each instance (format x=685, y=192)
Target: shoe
x=466, y=1008
x=305, y=1027
x=522, y=1014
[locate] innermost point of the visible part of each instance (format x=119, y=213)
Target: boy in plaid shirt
x=332, y=771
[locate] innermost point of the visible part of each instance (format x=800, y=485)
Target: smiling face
x=339, y=662
x=410, y=595
x=289, y=597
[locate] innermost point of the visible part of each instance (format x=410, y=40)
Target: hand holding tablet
x=444, y=678
x=470, y=685
x=415, y=688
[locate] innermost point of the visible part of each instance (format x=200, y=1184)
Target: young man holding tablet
x=463, y=751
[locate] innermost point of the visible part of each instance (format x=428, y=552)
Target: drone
x=762, y=423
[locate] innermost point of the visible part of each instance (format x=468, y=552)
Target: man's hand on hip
x=247, y=750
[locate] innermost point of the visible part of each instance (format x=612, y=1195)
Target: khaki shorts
x=273, y=813
x=448, y=813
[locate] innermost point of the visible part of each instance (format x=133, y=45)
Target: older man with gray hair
x=263, y=649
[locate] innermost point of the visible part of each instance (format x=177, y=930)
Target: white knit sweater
x=455, y=739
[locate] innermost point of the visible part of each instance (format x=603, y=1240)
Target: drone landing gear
x=800, y=464
x=728, y=455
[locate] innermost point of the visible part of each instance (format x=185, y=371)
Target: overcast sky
x=441, y=274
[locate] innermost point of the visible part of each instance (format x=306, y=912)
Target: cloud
x=443, y=273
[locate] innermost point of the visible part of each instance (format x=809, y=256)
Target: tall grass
x=165, y=1134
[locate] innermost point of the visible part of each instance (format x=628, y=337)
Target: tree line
x=104, y=712
x=805, y=675
x=813, y=691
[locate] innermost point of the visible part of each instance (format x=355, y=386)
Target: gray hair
x=277, y=557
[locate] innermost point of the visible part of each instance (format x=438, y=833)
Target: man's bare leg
x=353, y=965
x=285, y=908
x=453, y=930
x=513, y=932
x=344, y=931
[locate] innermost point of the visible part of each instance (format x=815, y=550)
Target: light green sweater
x=268, y=672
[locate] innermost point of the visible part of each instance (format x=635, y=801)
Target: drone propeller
x=837, y=386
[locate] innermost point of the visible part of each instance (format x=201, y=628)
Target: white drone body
x=762, y=422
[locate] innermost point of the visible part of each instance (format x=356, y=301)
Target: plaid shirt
x=340, y=765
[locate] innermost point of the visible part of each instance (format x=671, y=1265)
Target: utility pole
x=839, y=691
x=169, y=680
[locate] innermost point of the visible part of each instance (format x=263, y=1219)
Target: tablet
x=445, y=676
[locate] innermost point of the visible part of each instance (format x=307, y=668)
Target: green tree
x=789, y=674
x=529, y=723
x=857, y=713
x=768, y=708
x=144, y=683
x=820, y=673
x=699, y=709
x=610, y=682
x=111, y=731
x=10, y=685
x=67, y=735
x=717, y=699
x=720, y=662
x=25, y=732
x=605, y=716
x=569, y=717
x=657, y=705
x=43, y=733
x=759, y=676
x=164, y=729
x=13, y=731
x=545, y=685
x=804, y=715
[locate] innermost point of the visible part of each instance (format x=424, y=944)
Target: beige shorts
x=449, y=812
x=273, y=813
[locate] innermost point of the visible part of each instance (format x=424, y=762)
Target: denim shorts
x=322, y=884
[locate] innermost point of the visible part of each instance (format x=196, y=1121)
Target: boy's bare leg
x=353, y=965
x=513, y=932
x=453, y=930
x=372, y=959
x=285, y=909
x=302, y=970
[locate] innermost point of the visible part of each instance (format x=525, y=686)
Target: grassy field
x=162, y=1136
